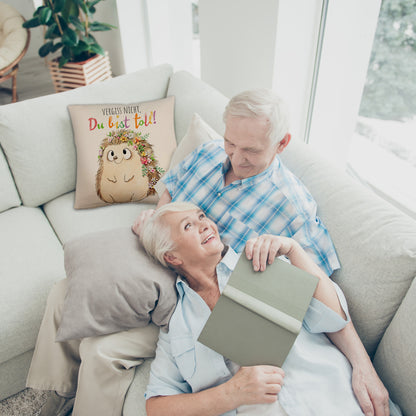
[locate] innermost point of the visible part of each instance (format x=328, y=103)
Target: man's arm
x=368, y=388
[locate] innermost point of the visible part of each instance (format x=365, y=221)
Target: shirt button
x=219, y=194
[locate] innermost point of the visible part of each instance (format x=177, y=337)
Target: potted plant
x=68, y=32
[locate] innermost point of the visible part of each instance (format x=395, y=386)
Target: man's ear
x=283, y=143
x=172, y=259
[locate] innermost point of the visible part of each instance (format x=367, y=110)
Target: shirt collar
x=252, y=180
x=224, y=269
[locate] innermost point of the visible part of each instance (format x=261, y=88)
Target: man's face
x=247, y=146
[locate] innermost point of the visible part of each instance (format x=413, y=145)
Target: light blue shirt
x=273, y=202
x=317, y=375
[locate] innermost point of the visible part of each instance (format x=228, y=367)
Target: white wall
x=296, y=41
x=238, y=42
x=170, y=30
x=349, y=35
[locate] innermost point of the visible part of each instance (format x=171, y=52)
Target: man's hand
x=370, y=392
x=141, y=219
x=264, y=249
x=255, y=385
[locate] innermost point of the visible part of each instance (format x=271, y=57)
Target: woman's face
x=195, y=236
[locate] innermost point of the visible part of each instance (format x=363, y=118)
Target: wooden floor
x=33, y=80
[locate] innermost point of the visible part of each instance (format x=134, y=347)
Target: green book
x=259, y=314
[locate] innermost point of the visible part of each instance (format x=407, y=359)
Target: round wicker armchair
x=14, y=42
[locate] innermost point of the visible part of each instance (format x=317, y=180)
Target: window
x=383, y=147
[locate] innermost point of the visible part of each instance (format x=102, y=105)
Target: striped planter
x=78, y=74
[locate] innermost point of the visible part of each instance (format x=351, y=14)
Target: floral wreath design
x=142, y=147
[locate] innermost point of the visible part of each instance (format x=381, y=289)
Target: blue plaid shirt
x=272, y=202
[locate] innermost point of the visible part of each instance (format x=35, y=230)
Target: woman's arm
x=250, y=385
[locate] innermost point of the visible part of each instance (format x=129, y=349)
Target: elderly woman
x=188, y=378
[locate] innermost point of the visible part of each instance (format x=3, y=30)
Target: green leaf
x=62, y=61
x=57, y=46
x=70, y=9
x=34, y=22
x=44, y=15
x=82, y=46
x=96, y=48
x=66, y=52
x=58, y=5
x=52, y=31
x=70, y=37
x=45, y=49
x=77, y=23
x=100, y=27
x=82, y=5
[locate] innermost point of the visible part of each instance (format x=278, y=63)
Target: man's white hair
x=156, y=235
x=261, y=104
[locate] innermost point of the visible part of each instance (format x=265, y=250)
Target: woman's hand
x=255, y=385
x=141, y=219
x=264, y=249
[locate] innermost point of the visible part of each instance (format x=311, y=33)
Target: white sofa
x=376, y=244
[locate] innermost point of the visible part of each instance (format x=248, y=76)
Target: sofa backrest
x=194, y=96
x=45, y=169
x=9, y=196
x=375, y=242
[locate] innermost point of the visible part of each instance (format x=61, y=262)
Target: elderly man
x=242, y=185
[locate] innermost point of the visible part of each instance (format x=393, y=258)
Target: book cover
x=259, y=314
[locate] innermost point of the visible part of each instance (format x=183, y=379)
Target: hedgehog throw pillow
x=122, y=150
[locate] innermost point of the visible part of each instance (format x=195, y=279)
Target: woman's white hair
x=261, y=103
x=156, y=235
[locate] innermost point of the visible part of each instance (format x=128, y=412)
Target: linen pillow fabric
x=198, y=133
x=122, y=150
x=113, y=285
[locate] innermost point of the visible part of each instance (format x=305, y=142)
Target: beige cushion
x=394, y=359
x=375, y=242
x=9, y=196
x=31, y=261
x=194, y=96
x=13, y=36
x=198, y=133
x=122, y=150
x=36, y=135
x=113, y=286
x=69, y=223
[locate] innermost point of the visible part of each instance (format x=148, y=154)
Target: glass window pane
x=383, y=149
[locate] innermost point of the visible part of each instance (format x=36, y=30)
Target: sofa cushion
x=31, y=260
x=195, y=96
x=394, y=359
x=9, y=196
x=37, y=137
x=122, y=151
x=69, y=223
x=134, y=403
x=113, y=286
x=374, y=241
x=198, y=133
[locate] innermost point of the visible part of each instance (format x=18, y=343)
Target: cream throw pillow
x=198, y=133
x=122, y=150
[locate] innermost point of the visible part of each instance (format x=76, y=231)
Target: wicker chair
x=14, y=42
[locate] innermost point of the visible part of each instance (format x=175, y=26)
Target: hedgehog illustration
x=128, y=169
